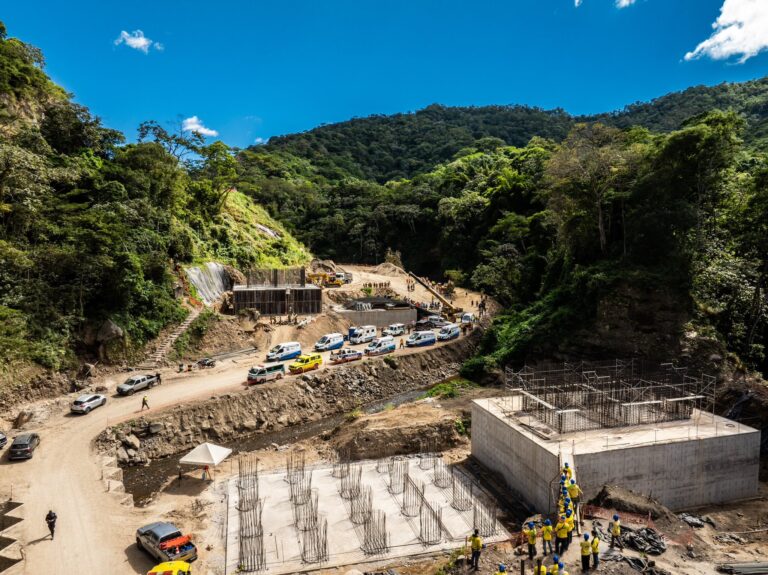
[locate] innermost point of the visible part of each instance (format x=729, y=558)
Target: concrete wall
x=379, y=317
x=527, y=468
x=682, y=474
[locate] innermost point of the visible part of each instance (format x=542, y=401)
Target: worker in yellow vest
x=502, y=569
x=586, y=551
x=546, y=537
x=539, y=569
x=530, y=534
x=575, y=493
x=595, y=544
x=567, y=471
x=554, y=569
x=615, y=529
x=570, y=526
x=476, y=544
x=561, y=569
x=561, y=536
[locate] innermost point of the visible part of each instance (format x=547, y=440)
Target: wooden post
x=522, y=566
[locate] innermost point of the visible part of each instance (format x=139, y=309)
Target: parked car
x=448, y=332
x=206, y=362
x=23, y=446
x=330, y=341
x=87, y=403
x=3, y=440
x=394, y=329
x=265, y=372
x=284, y=351
x=381, y=346
x=137, y=383
x=306, y=363
x=164, y=542
x=362, y=334
x=420, y=338
x=467, y=317
x=346, y=355
x=171, y=568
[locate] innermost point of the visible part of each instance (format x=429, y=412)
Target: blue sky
x=249, y=70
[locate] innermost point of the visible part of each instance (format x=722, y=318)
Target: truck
x=362, y=334
x=137, y=383
x=164, y=542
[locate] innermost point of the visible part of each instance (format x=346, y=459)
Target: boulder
x=122, y=455
x=132, y=441
x=109, y=331
x=156, y=427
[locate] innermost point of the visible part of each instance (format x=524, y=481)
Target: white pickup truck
x=164, y=542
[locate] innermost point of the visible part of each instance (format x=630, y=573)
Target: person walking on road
x=50, y=520
x=144, y=403
x=402, y=343
x=476, y=544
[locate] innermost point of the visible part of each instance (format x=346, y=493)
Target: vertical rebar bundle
x=375, y=536
x=427, y=461
x=484, y=518
x=248, y=497
x=413, y=496
x=248, y=471
x=441, y=475
x=382, y=465
x=398, y=467
x=430, y=524
x=461, y=492
x=251, y=539
x=349, y=484
x=361, y=506
x=306, y=516
x=295, y=465
x=341, y=463
x=314, y=543
x=301, y=487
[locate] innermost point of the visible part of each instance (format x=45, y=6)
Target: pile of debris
x=626, y=500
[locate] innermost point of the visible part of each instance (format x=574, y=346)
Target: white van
x=394, y=329
x=420, y=338
x=381, y=346
x=467, y=317
x=448, y=332
x=284, y=351
x=362, y=334
x=329, y=341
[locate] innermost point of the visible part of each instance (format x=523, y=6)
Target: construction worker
x=561, y=569
x=476, y=544
x=567, y=471
x=595, y=544
x=561, y=536
x=586, y=551
x=502, y=569
x=575, y=493
x=530, y=533
x=539, y=569
x=615, y=529
x=402, y=343
x=553, y=569
x=569, y=525
x=546, y=537
x=144, y=403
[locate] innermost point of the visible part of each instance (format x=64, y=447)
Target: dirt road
x=94, y=531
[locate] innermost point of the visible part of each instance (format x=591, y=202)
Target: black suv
x=23, y=446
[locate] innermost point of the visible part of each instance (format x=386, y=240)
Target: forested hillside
x=92, y=228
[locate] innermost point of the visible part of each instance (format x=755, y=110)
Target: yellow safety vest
x=586, y=548
x=476, y=543
x=569, y=523
x=540, y=571
x=616, y=529
x=531, y=534
x=573, y=490
x=567, y=472
x=554, y=569
x=562, y=530
x=595, y=545
x=546, y=533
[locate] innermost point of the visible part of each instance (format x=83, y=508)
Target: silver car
x=86, y=403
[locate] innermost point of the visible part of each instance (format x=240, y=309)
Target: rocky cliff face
x=274, y=406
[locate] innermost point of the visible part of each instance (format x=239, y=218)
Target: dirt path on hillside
x=94, y=531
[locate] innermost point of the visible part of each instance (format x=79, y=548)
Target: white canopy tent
x=206, y=455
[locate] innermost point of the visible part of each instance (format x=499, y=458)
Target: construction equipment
x=325, y=280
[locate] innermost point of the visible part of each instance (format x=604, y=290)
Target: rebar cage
x=579, y=396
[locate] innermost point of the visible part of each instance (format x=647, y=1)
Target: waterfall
x=210, y=280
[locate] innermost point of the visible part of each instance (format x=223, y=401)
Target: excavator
x=324, y=280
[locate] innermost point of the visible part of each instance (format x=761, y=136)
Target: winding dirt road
x=95, y=533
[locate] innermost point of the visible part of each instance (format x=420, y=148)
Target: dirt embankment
x=271, y=407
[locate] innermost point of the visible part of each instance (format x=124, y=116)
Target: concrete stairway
x=162, y=350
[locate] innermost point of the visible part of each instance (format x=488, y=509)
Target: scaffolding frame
x=581, y=396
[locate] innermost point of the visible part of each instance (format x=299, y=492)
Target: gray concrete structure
x=379, y=317
x=688, y=463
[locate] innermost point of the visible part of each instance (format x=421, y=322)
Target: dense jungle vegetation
x=550, y=214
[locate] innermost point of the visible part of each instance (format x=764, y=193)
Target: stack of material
x=754, y=568
x=645, y=540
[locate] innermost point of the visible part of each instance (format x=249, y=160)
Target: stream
x=144, y=482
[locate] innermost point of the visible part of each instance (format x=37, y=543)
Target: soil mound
x=322, y=266
x=404, y=430
x=620, y=499
x=388, y=269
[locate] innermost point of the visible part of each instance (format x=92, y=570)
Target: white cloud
x=259, y=140
x=577, y=3
x=740, y=30
x=194, y=124
x=624, y=3
x=138, y=41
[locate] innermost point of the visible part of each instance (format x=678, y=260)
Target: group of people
x=378, y=285
x=410, y=285
x=568, y=521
